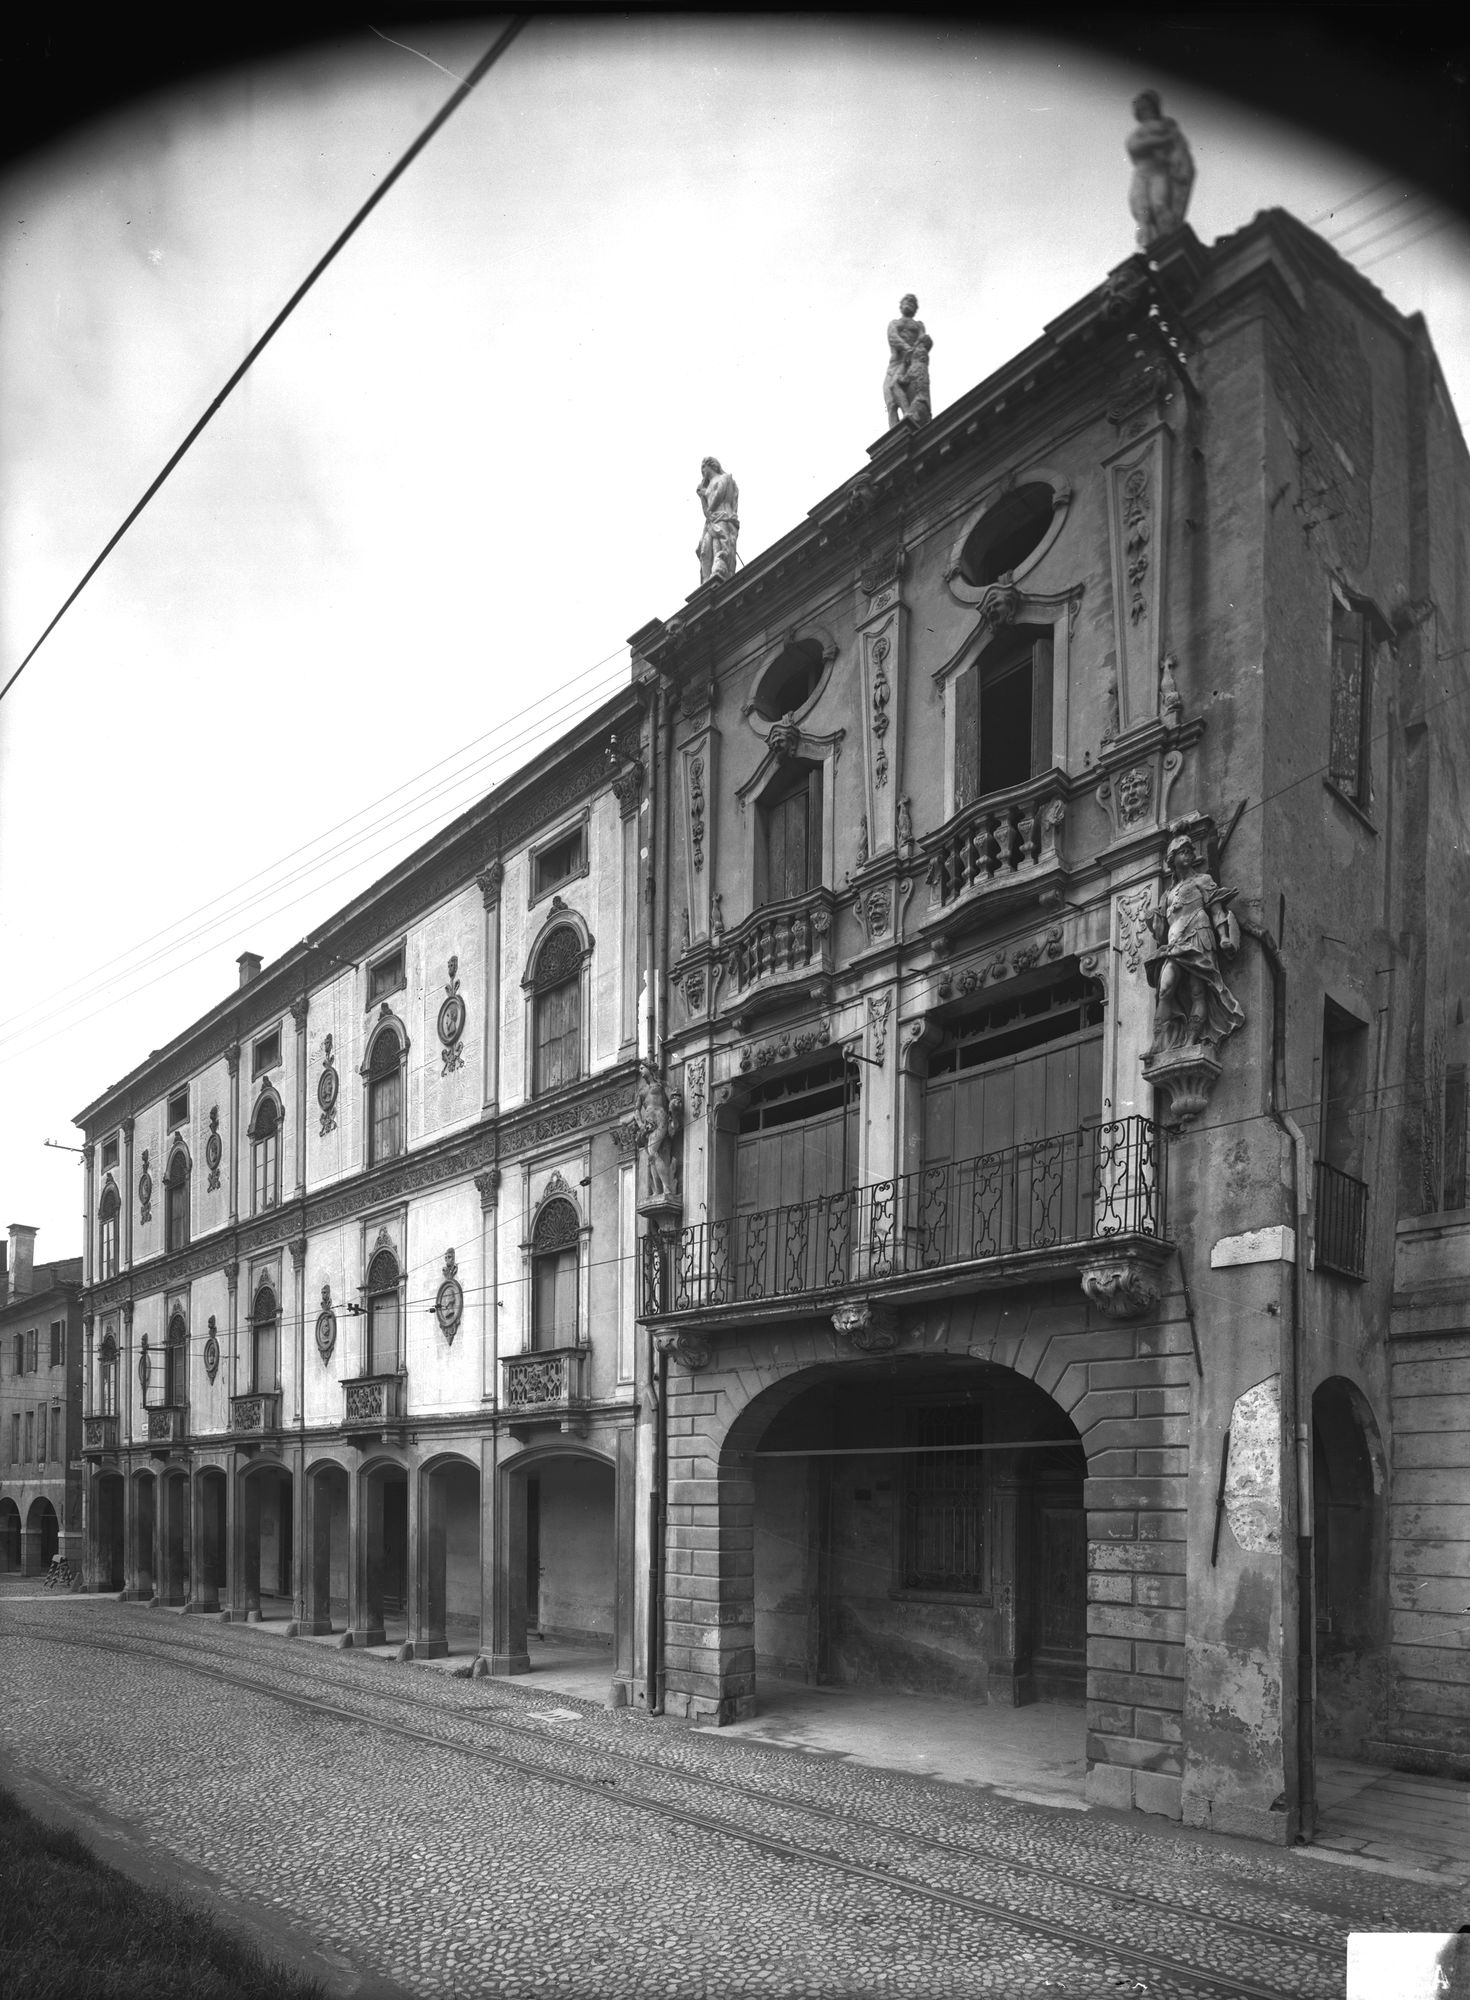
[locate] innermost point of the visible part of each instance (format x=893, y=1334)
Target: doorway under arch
x=381, y=1556
x=267, y=1537
x=559, y=1557
x=328, y=1548
x=140, y=1550
x=449, y=1560
x=918, y=1527
x=42, y=1537
x=1350, y=1550
x=172, y=1494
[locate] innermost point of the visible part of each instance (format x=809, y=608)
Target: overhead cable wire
x=491, y=56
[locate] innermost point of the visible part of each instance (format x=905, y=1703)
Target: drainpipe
x=1294, y=1393
x=655, y=959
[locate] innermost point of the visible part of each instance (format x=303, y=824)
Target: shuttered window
x=1351, y=690
x=554, y=1276
x=1003, y=717
x=384, y=1347
x=385, y=1098
x=264, y=1340
x=789, y=837
x=557, y=1012
x=265, y=1149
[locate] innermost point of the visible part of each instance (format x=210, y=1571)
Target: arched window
x=557, y=1009
x=265, y=1153
x=107, y=1378
x=788, y=848
x=108, y=1214
x=383, y=1343
x=385, y=1098
x=554, y=1276
x=265, y=1340
x=176, y=1364
x=176, y=1201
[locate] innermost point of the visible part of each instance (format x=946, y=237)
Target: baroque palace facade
x=1046, y=1273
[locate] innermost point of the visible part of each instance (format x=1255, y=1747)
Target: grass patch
x=71, y=1928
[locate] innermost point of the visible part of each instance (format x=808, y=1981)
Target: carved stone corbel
x=691, y=1350
x=1121, y=1287
x=872, y=1329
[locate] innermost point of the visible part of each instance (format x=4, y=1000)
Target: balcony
x=545, y=1387
x=259, y=1411
x=1042, y=1209
x=168, y=1423
x=372, y=1401
x=99, y=1436
x=781, y=948
x=1342, y=1223
x=999, y=850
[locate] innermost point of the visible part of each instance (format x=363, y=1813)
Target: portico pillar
x=248, y=1594
x=367, y=1562
x=508, y=1654
x=317, y=1503
x=431, y=1639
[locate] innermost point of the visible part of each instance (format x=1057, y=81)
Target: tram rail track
x=1188, y=1975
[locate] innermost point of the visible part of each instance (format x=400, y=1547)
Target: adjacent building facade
x=40, y=1407
x=1014, y=916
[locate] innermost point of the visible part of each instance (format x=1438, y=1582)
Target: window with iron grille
x=944, y=1502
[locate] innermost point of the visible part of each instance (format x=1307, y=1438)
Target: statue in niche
x=906, y=384
x=658, y=1119
x=1194, y=928
x=1163, y=171
x=720, y=498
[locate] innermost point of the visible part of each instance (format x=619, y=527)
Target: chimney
x=22, y=1259
x=249, y=964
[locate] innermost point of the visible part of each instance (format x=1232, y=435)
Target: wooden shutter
x=966, y=737
x=1041, y=683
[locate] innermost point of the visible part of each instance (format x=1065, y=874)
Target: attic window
x=266, y=1053
x=559, y=862
x=178, y=1108
x=1007, y=533
x=791, y=680
x=386, y=977
x=109, y=1153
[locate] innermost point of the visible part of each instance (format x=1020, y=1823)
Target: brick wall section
x=1429, y=1552
x=1126, y=1388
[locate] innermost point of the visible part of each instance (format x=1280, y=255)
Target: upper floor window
x=265, y=1153
x=58, y=1342
x=384, y=1347
x=791, y=680
x=385, y=1097
x=20, y=1354
x=557, y=1011
x=266, y=1053
x=176, y=1201
x=788, y=848
x=33, y=1353
x=387, y=975
x=108, y=1214
x=176, y=1364
x=559, y=862
x=1002, y=730
x=1352, y=700
x=109, y=1152
x=107, y=1377
x=15, y=1439
x=1344, y=1087
x=178, y=1108
x=554, y=1276
x=30, y=1435
x=265, y=1341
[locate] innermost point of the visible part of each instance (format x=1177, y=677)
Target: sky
x=411, y=546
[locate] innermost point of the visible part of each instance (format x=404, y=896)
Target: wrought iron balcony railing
x=1071, y=1189
x=551, y=1380
x=373, y=1399
x=997, y=841
x=167, y=1423
x=259, y=1411
x=1342, y=1223
x=99, y=1434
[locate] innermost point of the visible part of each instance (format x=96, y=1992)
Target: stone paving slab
x=447, y=1866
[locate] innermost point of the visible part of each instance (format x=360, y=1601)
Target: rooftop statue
x=1163, y=171
x=906, y=384
x=720, y=498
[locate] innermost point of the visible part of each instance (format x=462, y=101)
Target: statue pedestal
x=1188, y=1074
x=663, y=1214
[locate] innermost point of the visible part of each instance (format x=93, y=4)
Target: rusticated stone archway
x=1125, y=1388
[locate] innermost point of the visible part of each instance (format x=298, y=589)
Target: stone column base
x=368, y=1636
x=510, y=1663
x=430, y=1649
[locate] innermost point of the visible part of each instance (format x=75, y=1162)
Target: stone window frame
x=261, y=1061
x=387, y=1023
x=578, y=822
x=1062, y=495
x=1375, y=633
x=384, y=1228
x=176, y=1108
x=265, y=1274
x=1051, y=610
x=559, y=916
x=172, y=1174
x=758, y=722
x=106, y=1215
x=557, y=1188
x=268, y=1095
x=379, y=963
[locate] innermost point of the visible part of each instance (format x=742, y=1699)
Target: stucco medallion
x=213, y=1150
x=449, y=1301
x=452, y=1015
x=326, y=1326
x=145, y=1191
x=211, y=1350
x=327, y=1088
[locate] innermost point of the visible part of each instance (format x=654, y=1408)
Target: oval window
x=791, y=679
x=1003, y=538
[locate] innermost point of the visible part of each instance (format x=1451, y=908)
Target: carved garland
x=145, y=1191
x=696, y=810
x=213, y=1150
x=327, y=1088
x=759, y=1055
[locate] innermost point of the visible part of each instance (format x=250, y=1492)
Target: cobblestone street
x=446, y=1836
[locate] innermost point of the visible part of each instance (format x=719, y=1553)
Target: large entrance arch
x=328, y=1547
x=1350, y=1547
x=141, y=1536
x=380, y=1555
x=173, y=1538
x=42, y=1537
x=10, y=1533
x=209, y=1554
x=265, y=1537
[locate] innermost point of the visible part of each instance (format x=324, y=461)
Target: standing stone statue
x=1195, y=929
x=720, y=498
x=906, y=384
x=658, y=1117
x=1163, y=171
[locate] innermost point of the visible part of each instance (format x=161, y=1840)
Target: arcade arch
x=1350, y=1552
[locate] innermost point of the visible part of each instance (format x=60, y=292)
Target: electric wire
x=395, y=173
